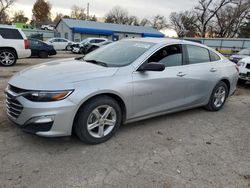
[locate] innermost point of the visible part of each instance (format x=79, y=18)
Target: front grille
x=248, y=66
x=14, y=108
x=16, y=89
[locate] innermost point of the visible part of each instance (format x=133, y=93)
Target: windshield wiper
x=97, y=62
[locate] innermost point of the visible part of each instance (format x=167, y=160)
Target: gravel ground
x=191, y=149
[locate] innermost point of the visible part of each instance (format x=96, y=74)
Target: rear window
x=197, y=54
x=8, y=33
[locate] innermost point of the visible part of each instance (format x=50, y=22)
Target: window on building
x=66, y=35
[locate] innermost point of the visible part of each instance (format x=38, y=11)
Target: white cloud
x=140, y=8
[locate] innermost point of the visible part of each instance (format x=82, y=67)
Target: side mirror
x=152, y=67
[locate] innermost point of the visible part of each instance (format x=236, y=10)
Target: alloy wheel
x=219, y=96
x=101, y=121
x=7, y=58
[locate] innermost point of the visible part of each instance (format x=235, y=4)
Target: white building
x=77, y=30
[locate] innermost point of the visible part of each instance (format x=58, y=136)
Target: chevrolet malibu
x=123, y=82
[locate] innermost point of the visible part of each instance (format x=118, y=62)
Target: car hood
x=237, y=56
x=60, y=74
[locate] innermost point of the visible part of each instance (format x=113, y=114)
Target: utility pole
x=87, y=11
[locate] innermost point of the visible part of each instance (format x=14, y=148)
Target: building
x=77, y=30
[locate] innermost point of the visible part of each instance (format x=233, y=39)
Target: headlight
x=47, y=96
x=241, y=64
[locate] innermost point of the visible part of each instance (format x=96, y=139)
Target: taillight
x=26, y=44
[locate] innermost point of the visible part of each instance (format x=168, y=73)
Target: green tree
x=41, y=13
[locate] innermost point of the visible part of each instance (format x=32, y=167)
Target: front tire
x=218, y=97
x=98, y=120
x=7, y=57
x=68, y=48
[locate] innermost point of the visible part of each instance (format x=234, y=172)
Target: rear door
x=63, y=43
x=203, y=73
x=56, y=44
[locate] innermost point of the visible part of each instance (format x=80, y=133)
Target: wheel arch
x=227, y=82
x=10, y=48
x=116, y=97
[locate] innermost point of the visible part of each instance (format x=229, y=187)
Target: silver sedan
x=123, y=82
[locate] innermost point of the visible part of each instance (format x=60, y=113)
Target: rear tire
x=218, y=97
x=8, y=57
x=43, y=54
x=68, y=48
x=92, y=125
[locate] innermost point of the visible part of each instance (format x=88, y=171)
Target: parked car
x=123, y=82
x=13, y=45
x=48, y=27
x=92, y=47
x=79, y=48
x=60, y=43
x=244, y=70
x=240, y=55
x=41, y=49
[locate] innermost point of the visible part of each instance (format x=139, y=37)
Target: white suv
x=13, y=45
x=244, y=70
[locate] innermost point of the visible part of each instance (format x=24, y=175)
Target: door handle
x=213, y=70
x=181, y=74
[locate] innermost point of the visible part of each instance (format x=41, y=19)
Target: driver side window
x=169, y=56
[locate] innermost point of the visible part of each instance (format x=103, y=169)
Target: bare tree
x=230, y=18
x=117, y=15
x=159, y=22
x=4, y=5
x=183, y=23
x=133, y=20
x=145, y=22
x=206, y=11
x=58, y=17
x=78, y=13
x=20, y=17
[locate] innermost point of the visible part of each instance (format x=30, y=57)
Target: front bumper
x=49, y=119
x=76, y=50
x=52, y=52
x=244, y=76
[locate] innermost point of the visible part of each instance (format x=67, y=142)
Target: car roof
x=165, y=41
x=8, y=26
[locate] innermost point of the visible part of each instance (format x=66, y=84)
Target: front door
x=161, y=91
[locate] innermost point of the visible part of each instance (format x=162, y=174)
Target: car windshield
x=84, y=41
x=244, y=52
x=120, y=53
